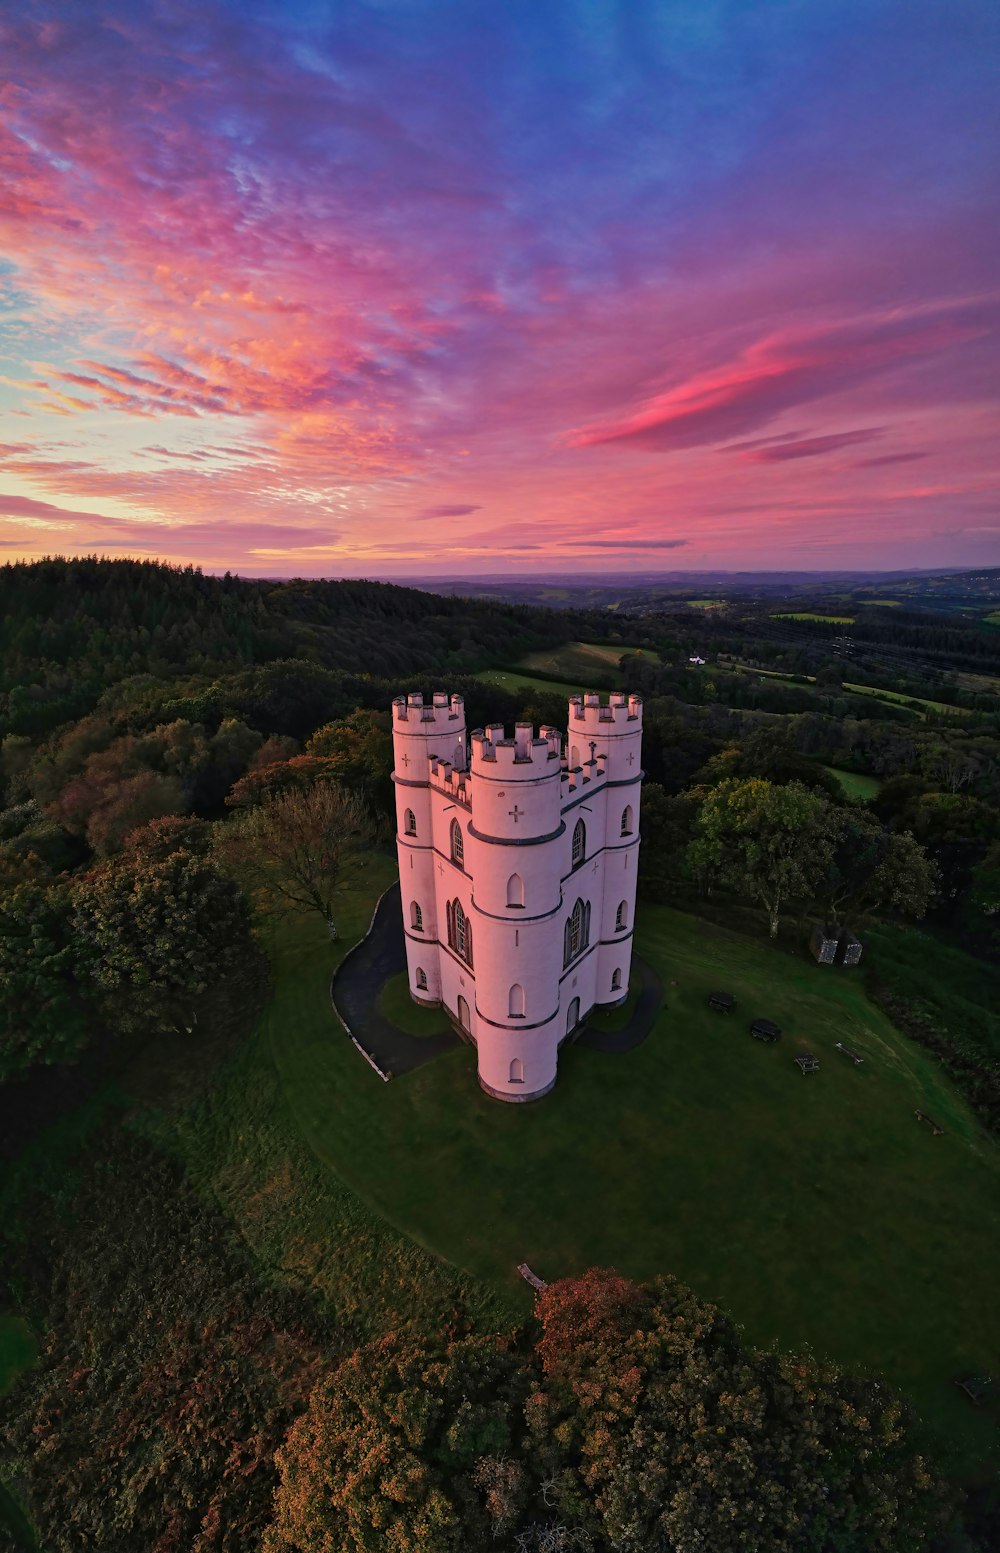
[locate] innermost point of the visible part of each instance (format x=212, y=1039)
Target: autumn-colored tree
x=164, y=930
x=359, y=748
x=295, y=775
x=655, y=1428
x=769, y=843
x=298, y=850
x=403, y=1450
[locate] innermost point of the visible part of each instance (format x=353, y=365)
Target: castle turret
x=422, y=735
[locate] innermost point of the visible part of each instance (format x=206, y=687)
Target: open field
x=704, y=603
x=514, y=679
x=815, y=1210
x=809, y=614
x=855, y=784
x=575, y=660
x=894, y=697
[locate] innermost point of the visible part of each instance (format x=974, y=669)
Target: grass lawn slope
x=815, y=1210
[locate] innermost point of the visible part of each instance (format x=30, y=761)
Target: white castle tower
x=518, y=875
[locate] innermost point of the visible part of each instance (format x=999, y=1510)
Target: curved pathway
x=647, y=1006
x=360, y=977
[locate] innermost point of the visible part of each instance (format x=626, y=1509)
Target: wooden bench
x=529, y=1277
x=935, y=1127
x=848, y=1053
x=722, y=1002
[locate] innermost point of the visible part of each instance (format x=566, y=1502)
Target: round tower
x=422, y=735
x=513, y=854
x=605, y=745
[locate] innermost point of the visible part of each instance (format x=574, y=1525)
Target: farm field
x=894, y=697
x=855, y=783
x=810, y=614
x=575, y=660
x=815, y=1210
x=514, y=679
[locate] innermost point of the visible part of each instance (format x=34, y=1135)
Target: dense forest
x=166, y=741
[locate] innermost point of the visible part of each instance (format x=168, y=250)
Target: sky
x=407, y=287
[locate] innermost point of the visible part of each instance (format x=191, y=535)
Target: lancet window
x=576, y=934
x=459, y=931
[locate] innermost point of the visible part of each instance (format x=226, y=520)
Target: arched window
x=459, y=931
x=579, y=843
x=457, y=844
x=516, y=1071
x=416, y=918
x=515, y=1001
x=627, y=820
x=515, y=890
x=421, y=980
x=621, y=916
x=576, y=935
x=616, y=981
x=410, y=823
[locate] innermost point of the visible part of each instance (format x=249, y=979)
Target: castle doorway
x=463, y=1015
x=573, y=1016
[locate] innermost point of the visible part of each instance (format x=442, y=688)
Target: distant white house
x=696, y=660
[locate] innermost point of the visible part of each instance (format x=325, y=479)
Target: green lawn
x=396, y=1005
x=17, y=1350
x=815, y=1210
x=573, y=660
x=855, y=784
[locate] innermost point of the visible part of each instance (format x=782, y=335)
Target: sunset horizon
x=437, y=289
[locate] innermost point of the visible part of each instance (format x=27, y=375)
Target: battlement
x=587, y=712
x=448, y=780
x=526, y=754
x=442, y=711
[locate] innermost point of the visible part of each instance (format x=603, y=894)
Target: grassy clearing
x=18, y=1350
x=395, y=1004
x=516, y=680
x=992, y=619
x=704, y=603
x=855, y=784
x=245, y=1148
x=573, y=660
x=809, y=614
x=815, y=1210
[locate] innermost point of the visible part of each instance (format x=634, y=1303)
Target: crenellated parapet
x=622, y=709
x=443, y=712
x=454, y=784
x=523, y=757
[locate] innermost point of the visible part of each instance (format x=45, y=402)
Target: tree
x=297, y=851
x=871, y=868
x=667, y=830
x=403, y=1450
x=165, y=931
x=44, y=978
x=359, y=748
x=654, y=1428
x=770, y=843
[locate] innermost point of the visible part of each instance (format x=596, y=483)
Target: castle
x=517, y=869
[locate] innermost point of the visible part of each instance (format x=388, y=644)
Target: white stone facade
x=517, y=866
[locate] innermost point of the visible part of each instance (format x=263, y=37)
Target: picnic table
x=765, y=1030
x=808, y=1063
x=978, y=1388
x=722, y=1002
